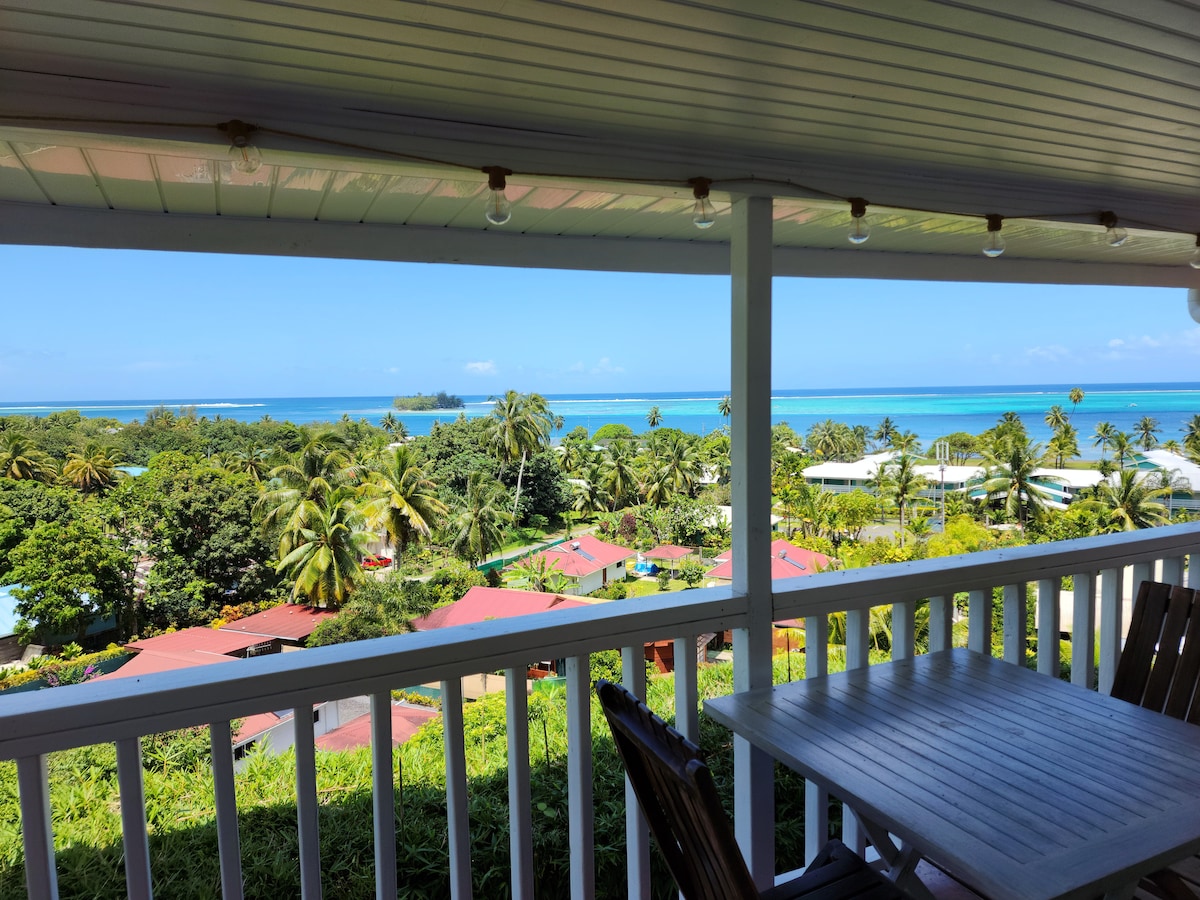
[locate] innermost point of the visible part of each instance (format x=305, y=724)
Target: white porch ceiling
x=377, y=116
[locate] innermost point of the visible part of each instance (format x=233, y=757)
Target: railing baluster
x=687, y=695
x=41, y=877
x=458, y=818
x=229, y=846
x=1142, y=571
x=858, y=637
x=383, y=795
x=134, y=837
x=637, y=836
x=1083, y=630
x=903, y=630
x=1049, y=628
x=941, y=623
x=1015, y=640
x=979, y=621
x=580, y=815
x=520, y=815
x=816, y=798
x=1110, y=626
x=306, y=803
x=1172, y=570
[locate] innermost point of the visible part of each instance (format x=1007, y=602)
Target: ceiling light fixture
x=245, y=157
x=860, y=228
x=499, y=210
x=1114, y=234
x=994, y=245
x=702, y=209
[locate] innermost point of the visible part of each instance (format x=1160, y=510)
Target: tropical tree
x=1122, y=446
x=93, y=469
x=724, y=407
x=477, y=528
x=654, y=417
x=251, y=460
x=389, y=421
x=676, y=462
x=906, y=442
x=401, y=499
x=538, y=573
x=1064, y=445
x=899, y=479
x=884, y=431
x=519, y=426
x=834, y=440
x=320, y=553
x=1146, y=432
x=321, y=466
x=1104, y=434
x=20, y=460
x=1076, y=396
x=1009, y=478
x=1056, y=418
x=1131, y=501
x=1191, y=435
x=620, y=474
x=589, y=492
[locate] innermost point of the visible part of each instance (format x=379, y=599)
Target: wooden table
x=1020, y=785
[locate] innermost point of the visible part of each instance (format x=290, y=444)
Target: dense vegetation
x=425, y=402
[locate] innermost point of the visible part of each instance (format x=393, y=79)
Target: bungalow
x=479, y=604
x=588, y=562
x=184, y=649
x=787, y=561
x=286, y=626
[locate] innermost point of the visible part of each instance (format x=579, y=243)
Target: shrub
x=664, y=580
x=692, y=572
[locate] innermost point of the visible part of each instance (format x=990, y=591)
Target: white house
x=588, y=562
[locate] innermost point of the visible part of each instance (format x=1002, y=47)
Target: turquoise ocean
x=929, y=411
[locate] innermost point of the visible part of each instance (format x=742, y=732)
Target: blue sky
x=105, y=325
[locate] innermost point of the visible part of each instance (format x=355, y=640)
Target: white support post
x=41, y=877
x=941, y=623
x=858, y=638
x=903, y=630
x=637, y=834
x=687, y=694
x=134, y=836
x=979, y=621
x=1083, y=630
x=520, y=815
x=1142, y=571
x=816, y=798
x=816, y=646
x=1110, y=626
x=750, y=326
x=581, y=806
x=1172, y=570
x=1014, y=624
x=383, y=795
x=306, y=803
x=456, y=789
x=229, y=845
x=1049, y=656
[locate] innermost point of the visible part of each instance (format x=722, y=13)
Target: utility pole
x=942, y=451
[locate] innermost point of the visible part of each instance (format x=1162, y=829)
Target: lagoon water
x=929, y=411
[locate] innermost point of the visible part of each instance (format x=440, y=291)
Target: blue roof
x=8, y=610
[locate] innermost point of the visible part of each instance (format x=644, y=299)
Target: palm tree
x=1131, y=502
x=477, y=528
x=620, y=476
x=321, y=466
x=884, y=432
x=1064, y=445
x=723, y=407
x=520, y=425
x=1076, y=396
x=899, y=478
x=906, y=442
x=539, y=573
x=1009, y=477
x=1104, y=434
x=320, y=554
x=20, y=460
x=94, y=468
x=1146, y=432
x=1056, y=418
x=590, y=495
x=654, y=417
x=678, y=463
x=1191, y=434
x=1122, y=445
x=402, y=500
x=249, y=460
x=388, y=422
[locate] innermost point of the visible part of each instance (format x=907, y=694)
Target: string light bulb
x=498, y=210
x=1194, y=262
x=994, y=244
x=1114, y=234
x=703, y=214
x=860, y=228
x=244, y=156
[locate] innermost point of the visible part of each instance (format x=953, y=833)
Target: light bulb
x=1114, y=234
x=498, y=210
x=246, y=158
x=1194, y=262
x=994, y=244
x=860, y=229
x=703, y=214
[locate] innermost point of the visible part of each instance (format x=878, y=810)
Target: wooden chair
x=1159, y=669
x=679, y=800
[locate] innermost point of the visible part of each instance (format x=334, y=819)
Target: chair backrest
x=1160, y=664
x=679, y=799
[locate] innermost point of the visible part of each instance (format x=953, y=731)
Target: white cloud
x=605, y=367
x=482, y=367
x=1116, y=342
x=1049, y=353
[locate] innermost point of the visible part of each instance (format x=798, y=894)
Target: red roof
x=482, y=603
x=288, y=621
x=204, y=640
x=406, y=720
x=787, y=561
x=150, y=662
x=583, y=555
x=257, y=724
x=668, y=551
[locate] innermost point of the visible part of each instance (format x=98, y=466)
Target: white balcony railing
x=121, y=711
